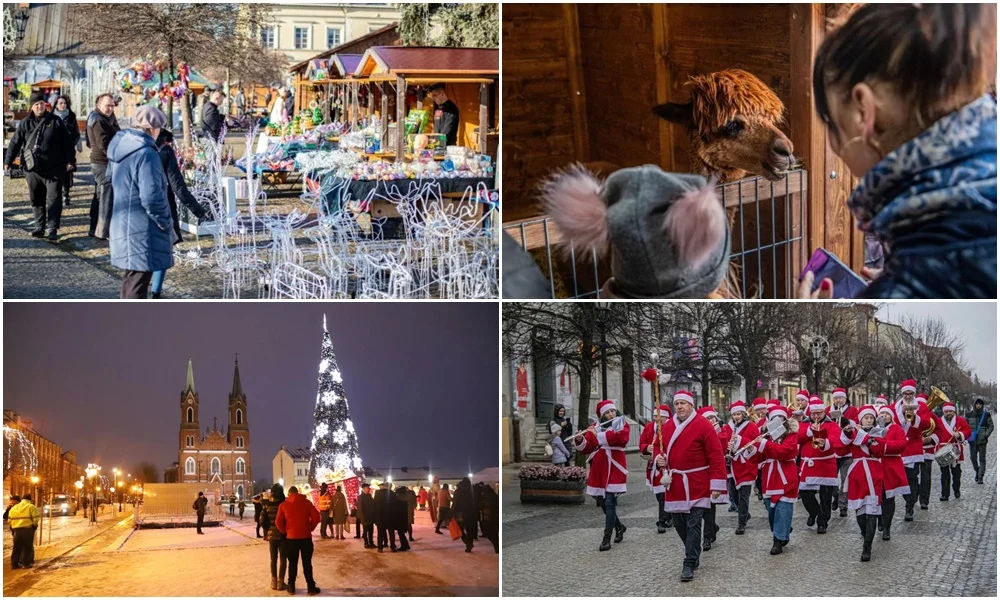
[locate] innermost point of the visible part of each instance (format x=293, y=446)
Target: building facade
x=300, y=31
x=219, y=459
x=290, y=466
x=57, y=470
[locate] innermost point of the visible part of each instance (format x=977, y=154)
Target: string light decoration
x=334, y=454
x=19, y=453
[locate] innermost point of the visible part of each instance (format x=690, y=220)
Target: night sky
x=104, y=379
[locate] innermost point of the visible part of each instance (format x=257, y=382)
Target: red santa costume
x=743, y=468
x=819, y=465
x=914, y=452
x=695, y=463
x=893, y=471
x=864, y=477
x=957, y=430
x=713, y=419
x=930, y=444
x=757, y=404
x=650, y=436
x=780, y=477
x=606, y=456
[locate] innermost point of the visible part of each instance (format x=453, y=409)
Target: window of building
x=239, y=441
x=239, y=491
x=240, y=466
x=239, y=417
x=301, y=38
x=216, y=466
x=298, y=472
x=190, y=441
x=332, y=37
x=190, y=415
x=268, y=37
x=189, y=466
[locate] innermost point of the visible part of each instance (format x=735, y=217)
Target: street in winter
x=749, y=449
x=279, y=486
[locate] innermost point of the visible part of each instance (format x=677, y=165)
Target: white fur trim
x=831, y=481
x=602, y=438
x=900, y=491
x=907, y=388
x=718, y=485
x=685, y=506
x=686, y=397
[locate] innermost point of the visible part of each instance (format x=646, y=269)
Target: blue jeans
x=779, y=517
x=609, y=504
x=157, y=285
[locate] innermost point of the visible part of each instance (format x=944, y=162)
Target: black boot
x=687, y=573
x=619, y=531
x=741, y=528
x=871, y=522
x=811, y=521
x=880, y=522
x=909, y=514
x=777, y=547
x=706, y=544
x=606, y=542
x=661, y=527
x=885, y=533
x=669, y=523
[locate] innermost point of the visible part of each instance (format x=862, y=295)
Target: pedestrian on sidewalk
x=982, y=427
x=384, y=517
x=63, y=109
x=366, y=514
x=443, y=508
x=257, y=510
x=422, y=498
x=399, y=517
x=489, y=513
x=242, y=507
x=275, y=538
x=141, y=225
x=432, y=498
x=466, y=511
x=411, y=509
x=297, y=518
x=560, y=454
x=323, y=506
x=14, y=499
x=43, y=145
x=101, y=129
x=338, y=512
x=200, y=503
x=232, y=504
x=23, y=518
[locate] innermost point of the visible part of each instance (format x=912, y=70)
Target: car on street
x=60, y=505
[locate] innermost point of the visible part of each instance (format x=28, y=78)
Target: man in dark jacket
x=366, y=514
x=211, y=119
x=200, y=503
x=176, y=188
x=384, y=506
x=101, y=129
x=44, y=137
x=275, y=538
x=257, y=509
x=446, y=116
x=981, y=423
x=400, y=517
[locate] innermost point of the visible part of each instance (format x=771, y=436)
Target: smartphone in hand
x=824, y=265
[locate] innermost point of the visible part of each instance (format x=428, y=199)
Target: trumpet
x=910, y=415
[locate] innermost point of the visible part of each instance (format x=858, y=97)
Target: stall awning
x=389, y=62
x=49, y=83
x=346, y=64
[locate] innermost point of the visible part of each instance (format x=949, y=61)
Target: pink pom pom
x=572, y=199
x=696, y=224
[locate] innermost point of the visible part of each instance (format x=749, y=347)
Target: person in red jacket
x=651, y=445
x=695, y=475
x=930, y=440
x=781, y=482
x=917, y=423
x=605, y=443
x=842, y=413
x=864, y=478
x=956, y=431
x=742, y=467
x=893, y=472
x=819, y=439
x=759, y=408
x=297, y=518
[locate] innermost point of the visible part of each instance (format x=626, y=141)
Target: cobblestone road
x=949, y=550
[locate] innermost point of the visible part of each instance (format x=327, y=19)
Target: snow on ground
x=224, y=563
x=66, y=532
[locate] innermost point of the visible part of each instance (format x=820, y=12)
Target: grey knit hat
x=149, y=117
x=667, y=232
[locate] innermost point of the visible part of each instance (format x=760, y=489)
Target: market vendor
x=211, y=119
x=445, y=114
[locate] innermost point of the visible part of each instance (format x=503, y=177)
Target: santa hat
x=881, y=400
x=839, y=393
x=773, y=402
x=684, y=396
x=802, y=395
x=815, y=404
x=707, y=411
x=759, y=403
x=908, y=385
x=604, y=406
x=737, y=406
x=922, y=397
x=948, y=406
x=886, y=409
x=867, y=409
x=777, y=410
x=664, y=410
x=815, y=398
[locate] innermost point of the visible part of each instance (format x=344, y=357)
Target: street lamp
x=117, y=472
x=603, y=317
x=21, y=22
x=79, y=487
x=888, y=379
x=819, y=347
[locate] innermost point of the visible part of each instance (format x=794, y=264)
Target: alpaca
x=731, y=122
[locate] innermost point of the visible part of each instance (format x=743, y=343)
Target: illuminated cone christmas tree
x=334, y=451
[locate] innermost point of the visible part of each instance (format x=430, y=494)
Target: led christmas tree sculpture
x=334, y=452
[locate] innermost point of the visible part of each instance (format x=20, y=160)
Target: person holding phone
x=920, y=133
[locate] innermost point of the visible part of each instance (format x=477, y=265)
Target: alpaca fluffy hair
x=695, y=223
x=572, y=199
x=717, y=98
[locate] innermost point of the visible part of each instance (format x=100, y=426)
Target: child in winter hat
x=667, y=232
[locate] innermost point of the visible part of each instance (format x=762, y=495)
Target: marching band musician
x=742, y=469
x=958, y=430
x=864, y=476
x=893, y=473
x=695, y=475
x=914, y=424
x=881, y=401
x=711, y=528
x=608, y=474
x=650, y=446
x=759, y=408
x=781, y=482
x=842, y=413
x=930, y=442
x=801, y=401
x=819, y=439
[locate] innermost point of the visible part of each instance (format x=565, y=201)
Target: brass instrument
x=910, y=415
x=936, y=398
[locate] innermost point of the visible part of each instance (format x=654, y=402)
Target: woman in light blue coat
x=560, y=455
x=141, y=225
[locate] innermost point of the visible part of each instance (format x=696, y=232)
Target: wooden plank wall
x=538, y=126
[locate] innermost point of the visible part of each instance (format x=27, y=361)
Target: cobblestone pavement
x=948, y=550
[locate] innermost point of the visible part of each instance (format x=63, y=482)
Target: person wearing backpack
x=560, y=454
x=982, y=427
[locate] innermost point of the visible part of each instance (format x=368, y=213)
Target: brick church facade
x=218, y=459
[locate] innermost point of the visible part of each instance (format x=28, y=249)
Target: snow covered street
x=231, y=561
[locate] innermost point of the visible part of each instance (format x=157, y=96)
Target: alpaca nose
x=782, y=147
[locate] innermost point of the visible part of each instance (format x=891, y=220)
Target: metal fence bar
x=743, y=245
x=760, y=267
x=774, y=241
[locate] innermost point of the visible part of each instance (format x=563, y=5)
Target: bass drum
x=947, y=455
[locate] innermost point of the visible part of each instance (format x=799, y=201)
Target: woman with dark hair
x=175, y=187
x=64, y=110
x=465, y=511
x=559, y=418
x=274, y=537
x=904, y=92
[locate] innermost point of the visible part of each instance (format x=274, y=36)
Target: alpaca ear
x=572, y=199
x=695, y=224
x=681, y=114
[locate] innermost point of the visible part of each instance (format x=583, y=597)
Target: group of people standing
x=833, y=457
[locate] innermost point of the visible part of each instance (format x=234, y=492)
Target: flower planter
x=552, y=492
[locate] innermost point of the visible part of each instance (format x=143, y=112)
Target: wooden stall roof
x=388, y=62
x=346, y=64
x=385, y=36
x=49, y=83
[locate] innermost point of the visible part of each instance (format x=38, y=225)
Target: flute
x=598, y=427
